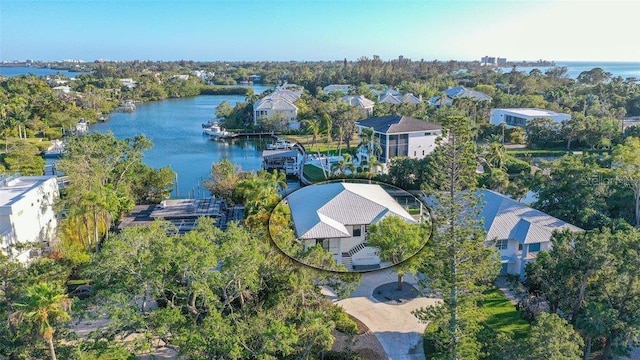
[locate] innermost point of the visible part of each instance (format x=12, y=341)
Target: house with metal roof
x=399, y=136
x=521, y=116
x=519, y=231
x=279, y=104
x=458, y=92
x=361, y=102
x=336, y=216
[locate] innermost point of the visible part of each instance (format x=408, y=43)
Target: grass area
x=502, y=315
x=331, y=147
x=313, y=173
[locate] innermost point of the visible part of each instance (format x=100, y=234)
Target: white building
x=361, y=102
x=279, y=104
x=519, y=231
x=336, y=216
x=520, y=116
x=400, y=136
x=27, y=220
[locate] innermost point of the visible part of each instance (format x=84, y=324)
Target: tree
x=344, y=164
x=552, y=338
x=223, y=179
x=44, y=305
x=461, y=265
x=626, y=157
x=398, y=241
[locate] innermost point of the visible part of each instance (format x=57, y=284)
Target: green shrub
x=516, y=166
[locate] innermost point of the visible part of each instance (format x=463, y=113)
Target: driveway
x=399, y=332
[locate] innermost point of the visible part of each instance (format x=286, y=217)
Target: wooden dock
x=251, y=135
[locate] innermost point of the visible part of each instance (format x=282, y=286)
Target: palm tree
x=313, y=126
x=44, y=304
x=496, y=155
x=346, y=163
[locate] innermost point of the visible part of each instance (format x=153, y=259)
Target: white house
x=519, y=231
x=360, y=101
x=280, y=104
x=26, y=215
x=458, y=92
x=129, y=83
x=400, y=136
x=337, y=87
x=520, y=116
x=337, y=215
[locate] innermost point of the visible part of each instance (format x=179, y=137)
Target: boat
x=281, y=144
x=214, y=130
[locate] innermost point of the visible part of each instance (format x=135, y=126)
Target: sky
x=282, y=30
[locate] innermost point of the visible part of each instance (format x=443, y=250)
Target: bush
x=344, y=324
x=516, y=166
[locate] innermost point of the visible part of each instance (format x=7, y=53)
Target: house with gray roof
x=279, y=103
x=458, y=92
x=336, y=216
x=399, y=136
x=361, y=102
x=519, y=231
x=337, y=87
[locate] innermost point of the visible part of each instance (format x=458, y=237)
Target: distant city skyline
x=282, y=30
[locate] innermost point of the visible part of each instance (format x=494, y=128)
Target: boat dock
x=251, y=135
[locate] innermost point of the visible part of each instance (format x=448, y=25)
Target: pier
x=250, y=135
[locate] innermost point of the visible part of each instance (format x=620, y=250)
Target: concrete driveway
x=399, y=332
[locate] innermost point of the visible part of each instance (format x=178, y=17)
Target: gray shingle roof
x=396, y=124
x=463, y=92
x=322, y=211
x=505, y=218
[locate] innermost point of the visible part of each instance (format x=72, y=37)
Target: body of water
x=574, y=68
x=23, y=70
x=175, y=128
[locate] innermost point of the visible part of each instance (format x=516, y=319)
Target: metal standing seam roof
x=505, y=218
x=396, y=124
x=322, y=211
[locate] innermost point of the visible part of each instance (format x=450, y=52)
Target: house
x=400, y=136
x=279, y=103
x=337, y=87
x=336, y=216
x=129, y=83
x=521, y=116
x=64, y=89
x=27, y=220
x=360, y=101
x=519, y=231
x=397, y=98
x=458, y=92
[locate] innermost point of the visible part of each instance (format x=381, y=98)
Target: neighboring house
x=458, y=92
x=27, y=216
x=62, y=89
x=337, y=87
x=400, y=136
x=129, y=83
x=519, y=231
x=360, y=101
x=397, y=98
x=280, y=104
x=521, y=116
x=336, y=216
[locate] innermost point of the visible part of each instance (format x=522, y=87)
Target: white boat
x=281, y=144
x=214, y=129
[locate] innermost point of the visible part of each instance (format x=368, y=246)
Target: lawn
x=313, y=173
x=502, y=315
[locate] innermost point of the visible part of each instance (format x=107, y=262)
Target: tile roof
x=505, y=218
x=322, y=211
x=396, y=124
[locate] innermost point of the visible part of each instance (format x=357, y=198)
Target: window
x=502, y=244
x=534, y=247
x=519, y=247
x=415, y=153
x=357, y=231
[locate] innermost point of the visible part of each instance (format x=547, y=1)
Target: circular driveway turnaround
x=399, y=332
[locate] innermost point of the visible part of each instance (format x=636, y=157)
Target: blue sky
x=561, y=30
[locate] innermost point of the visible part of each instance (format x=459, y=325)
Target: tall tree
x=462, y=265
x=626, y=157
